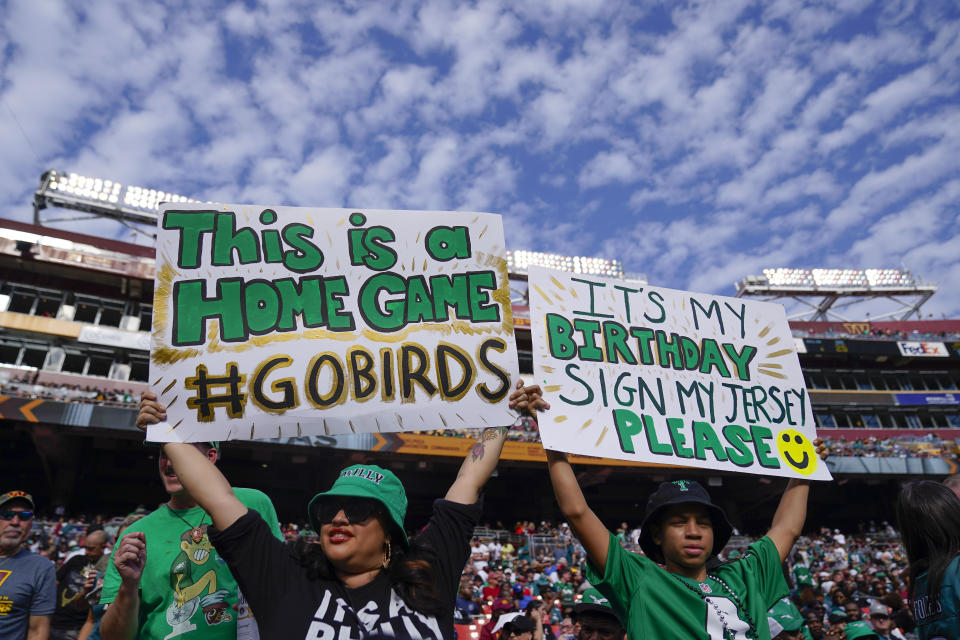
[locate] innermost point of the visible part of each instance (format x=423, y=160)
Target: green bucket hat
x=367, y=481
x=859, y=630
x=786, y=615
x=593, y=600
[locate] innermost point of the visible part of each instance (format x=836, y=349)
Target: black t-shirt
x=69, y=585
x=287, y=604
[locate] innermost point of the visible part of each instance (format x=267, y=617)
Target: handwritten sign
x=282, y=321
x=636, y=372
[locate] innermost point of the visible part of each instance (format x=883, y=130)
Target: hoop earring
x=387, y=555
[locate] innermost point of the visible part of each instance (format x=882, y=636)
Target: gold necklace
x=196, y=533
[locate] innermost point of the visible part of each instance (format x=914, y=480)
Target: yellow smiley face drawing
x=797, y=451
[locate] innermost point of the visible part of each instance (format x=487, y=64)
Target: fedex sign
x=926, y=349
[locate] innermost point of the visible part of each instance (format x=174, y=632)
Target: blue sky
x=697, y=143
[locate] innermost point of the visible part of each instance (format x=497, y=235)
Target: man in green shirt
x=681, y=530
x=166, y=580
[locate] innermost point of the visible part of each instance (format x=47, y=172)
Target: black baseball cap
x=681, y=492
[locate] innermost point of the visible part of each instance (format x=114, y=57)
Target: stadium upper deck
x=75, y=315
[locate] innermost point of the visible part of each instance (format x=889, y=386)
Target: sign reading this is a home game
x=637, y=372
x=282, y=321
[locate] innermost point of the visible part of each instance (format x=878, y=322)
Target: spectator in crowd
x=72, y=578
x=682, y=529
x=94, y=587
x=465, y=600
x=785, y=621
x=500, y=607
x=882, y=623
x=28, y=583
x=399, y=588
x=156, y=588
x=594, y=618
x=928, y=514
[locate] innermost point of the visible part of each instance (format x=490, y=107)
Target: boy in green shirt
x=681, y=530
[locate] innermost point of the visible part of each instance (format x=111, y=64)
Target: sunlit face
x=853, y=611
x=15, y=528
x=685, y=535
x=353, y=547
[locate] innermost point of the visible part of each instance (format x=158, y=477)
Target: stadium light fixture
x=519, y=261
x=822, y=289
x=100, y=197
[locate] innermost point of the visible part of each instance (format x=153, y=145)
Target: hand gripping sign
x=283, y=321
x=636, y=372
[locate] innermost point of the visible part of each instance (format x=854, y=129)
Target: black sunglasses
x=356, y=510
x=10, y=513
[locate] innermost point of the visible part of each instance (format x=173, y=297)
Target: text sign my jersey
x=637, y=372
x=283, y=321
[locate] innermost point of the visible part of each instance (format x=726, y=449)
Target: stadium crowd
x=24, y=386
x=836, y=578
x=870, y=333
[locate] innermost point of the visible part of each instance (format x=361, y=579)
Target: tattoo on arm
x=490, y=433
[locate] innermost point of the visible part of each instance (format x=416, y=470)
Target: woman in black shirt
x=364, y=579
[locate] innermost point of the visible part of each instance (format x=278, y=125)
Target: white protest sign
x=636, y=372
x=283, y=321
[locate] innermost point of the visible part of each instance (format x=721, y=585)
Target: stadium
x=75, y=320
x=76, y=313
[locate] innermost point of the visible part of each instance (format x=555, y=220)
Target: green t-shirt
x=802, y=575
x=656, y=604
x=186, y=590
x=939, y=617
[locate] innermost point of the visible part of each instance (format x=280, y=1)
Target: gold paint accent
x=169, y=386
x=442, y=419
x=170, y=404
x=586, y=424
x=482, y=232
x=773, y=341
x=780, y=354
x=602, y=435
x=557, y=283
x=772, y=374
x=251, y=431
x=765, y=331
x=542, y=294
x=560, y=419
x=352, y=428
x=547, y=368
x=157, y=381
x=770, y=365
x=553, y=388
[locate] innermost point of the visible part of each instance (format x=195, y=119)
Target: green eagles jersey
x=654, y=603
x=186, y=588
x=938, y=616
x=802, y=575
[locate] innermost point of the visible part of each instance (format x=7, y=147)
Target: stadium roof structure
x=824, y=291
x=130, y=205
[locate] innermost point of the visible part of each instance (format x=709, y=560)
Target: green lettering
x=559, y=340
x=704, y=438
x=192, y=226
x=677, y=439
